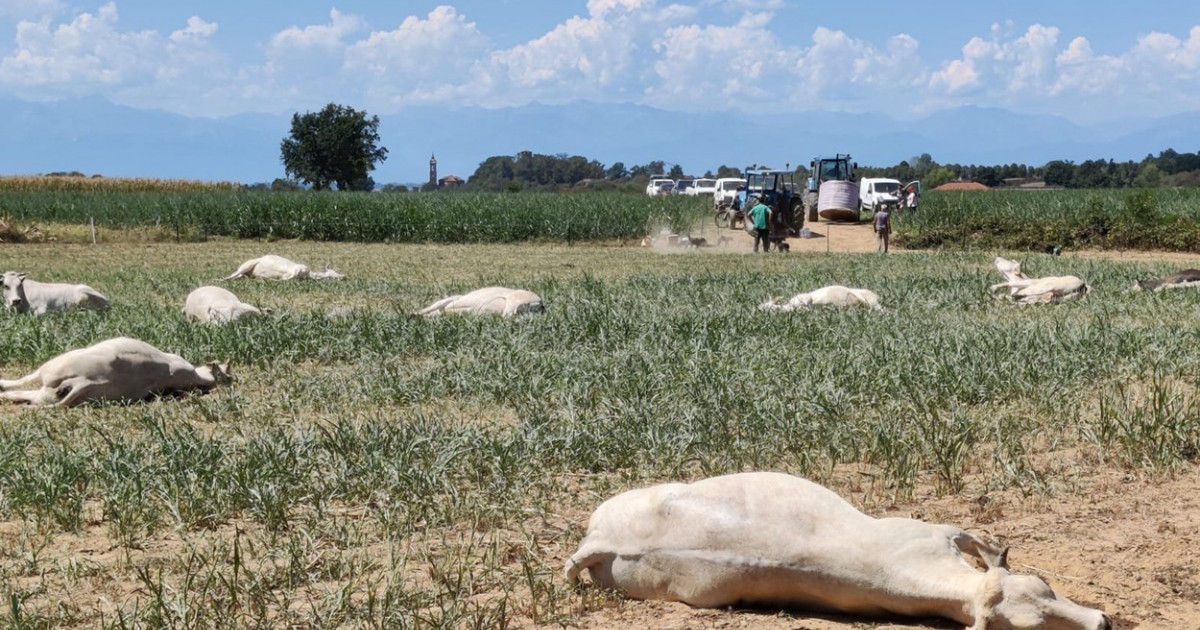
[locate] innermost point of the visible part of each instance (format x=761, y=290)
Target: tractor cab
x=778, y=190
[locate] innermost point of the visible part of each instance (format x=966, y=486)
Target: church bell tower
x=432, y=170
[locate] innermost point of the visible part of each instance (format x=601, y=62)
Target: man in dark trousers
x=760, y=214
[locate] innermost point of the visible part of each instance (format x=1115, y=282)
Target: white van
x=658, y=184
x=727, y=189
x=704, y=186
x=876, y=191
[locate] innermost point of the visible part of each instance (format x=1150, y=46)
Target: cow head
x=1010, y=269
x=218, y=372
x=327, y=274
x=1146, y=285
x=14, y=292
x=1026, y=602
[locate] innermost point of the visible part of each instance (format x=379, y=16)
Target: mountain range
x=95, y=136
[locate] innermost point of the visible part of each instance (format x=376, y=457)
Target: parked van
x=704, y=186
x=727, y=190
x=874, y=192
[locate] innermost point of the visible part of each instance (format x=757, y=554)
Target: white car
x=656, y=185
x=703, y=186
x=727, y=189
x=683, y=186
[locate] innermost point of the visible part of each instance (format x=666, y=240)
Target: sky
x=1086, y=60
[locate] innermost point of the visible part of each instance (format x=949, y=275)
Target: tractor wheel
x=722, y=218
x=797, y=216
x=810, y=202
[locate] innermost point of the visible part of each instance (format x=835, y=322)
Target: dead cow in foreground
x=1186, y=279
x=29, y=296
x=1022, y=288
x=116, y=369
x=833, y=295
x=773, y=539
x=274, y=267
x=214, y=305
x=489, y=301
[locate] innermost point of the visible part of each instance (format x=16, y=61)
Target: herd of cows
x=754, y=538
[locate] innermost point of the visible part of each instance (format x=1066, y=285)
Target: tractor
x=778, y=190
x=825, y=169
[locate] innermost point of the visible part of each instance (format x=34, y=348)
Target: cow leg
x=597, y=559
x=33, y=397
x=244, y=271
x=75, y=391
x=32, y=379
x=435, y=309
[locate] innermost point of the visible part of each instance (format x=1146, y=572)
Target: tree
x=1058, y=173
x=616, y=171
x=337, y=145
x=676, y=172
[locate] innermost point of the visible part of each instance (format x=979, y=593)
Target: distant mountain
x=94, y=136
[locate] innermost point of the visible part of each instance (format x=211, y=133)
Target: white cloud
x=76, y=58
x=674, y=56
x=423, y=60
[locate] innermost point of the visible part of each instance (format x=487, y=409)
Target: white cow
x=1022, y=288
x=833, y=295
x=773, y=539
x=214, y=305
x=24, y=295
x=275, y=267
x=1186, y=279
x=489, y=301
x=116, y=369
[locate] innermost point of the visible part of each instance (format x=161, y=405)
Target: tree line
x=337, y=147
x=529, y=171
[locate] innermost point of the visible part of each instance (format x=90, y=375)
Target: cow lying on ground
x=833, y=295
x=274, y=267
x=773, y=539
x=116, y=369
x=29, y=296
x=1185, y=279
x=489, y=301
x=1022, y=288
x=214, y=305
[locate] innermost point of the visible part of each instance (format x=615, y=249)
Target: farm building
x=451, y=181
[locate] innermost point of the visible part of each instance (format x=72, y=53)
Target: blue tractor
x=779, y=191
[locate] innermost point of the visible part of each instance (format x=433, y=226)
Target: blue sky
x=1085, y=60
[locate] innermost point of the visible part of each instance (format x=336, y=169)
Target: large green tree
x=337, y=145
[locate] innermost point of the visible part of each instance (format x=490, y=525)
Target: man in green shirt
x=760, y=214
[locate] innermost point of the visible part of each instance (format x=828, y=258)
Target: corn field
x=1162, y=219
x=79, y=183
x=362, y=217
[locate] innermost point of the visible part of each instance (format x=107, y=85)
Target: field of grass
x=380, y=471
x=1159, y=219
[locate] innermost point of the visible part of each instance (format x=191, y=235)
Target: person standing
x=760, y=214
x=883, y=229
